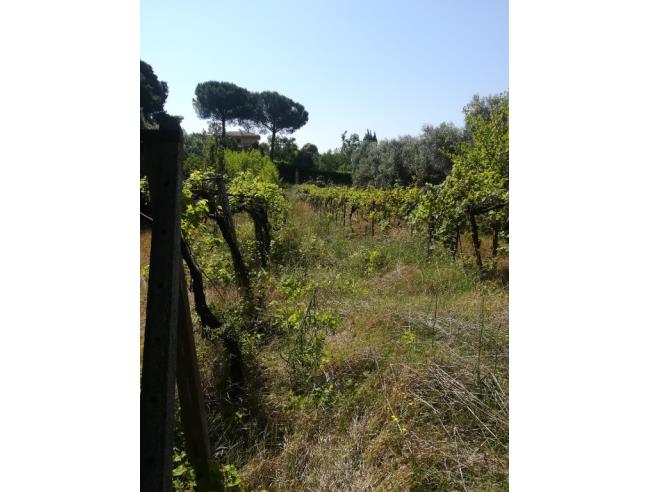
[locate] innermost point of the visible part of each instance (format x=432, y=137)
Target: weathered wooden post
x=161, y=161
x=169, y=347
x=192, y=404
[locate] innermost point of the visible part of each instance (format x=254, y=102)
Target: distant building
x=245, y=140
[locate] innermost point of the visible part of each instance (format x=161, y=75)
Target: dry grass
x=409, y=411
x=145, y=253
x=416, y=372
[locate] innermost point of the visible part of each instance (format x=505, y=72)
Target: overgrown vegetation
x=348, y=339
x=474, y=197
x=395, y=377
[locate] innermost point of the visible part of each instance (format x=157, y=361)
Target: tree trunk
x=272, y=145
x=262, y=229
x=495, y=241
x=474, y=230
x=226, y=224
x=222, y=213
x=223, y=128
x=236, y=377
x=455, y=243
x=207, y=318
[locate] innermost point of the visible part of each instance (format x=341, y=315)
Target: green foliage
x=308, y=157
x=198, y=158
x=476, y=186
x=482, y=107
x=333, y=161
x=277, y=114
x=311, y=149
x=184, y=476
x=479, y=178
x=318, y=252
x=369, y=136
x=354, y=382
x=375, y=260
x=350, y=148
x=223, y=102
x=291, y=247
x=251, y=162
x=405, y=160
x=196, y=151
x=285, y=150
x=231, y=477
x=368, y=261
x=305, y=353
x=396, y=204
x=417, y=160
x=402, y=161
x=432, y=151
x=247, y=188
x=293, y=288
x=153, y=93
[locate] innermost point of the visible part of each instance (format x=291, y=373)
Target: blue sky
x=390, y=66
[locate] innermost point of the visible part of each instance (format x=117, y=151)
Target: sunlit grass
x=412, y=392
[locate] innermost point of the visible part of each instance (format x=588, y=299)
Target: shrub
x=253, y=161
x=306, y=344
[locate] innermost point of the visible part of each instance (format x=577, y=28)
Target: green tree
x=479, y=181
x=483, y=107
x=369, y=136
x=194, y=143
x=333, y=160
x=250, y=161
x=307, y=157
x=350, y=146
x=153, y=94
x=277, y=114
x=432, y=161
x=311, y=149
x=222, y=102
x=285, y=150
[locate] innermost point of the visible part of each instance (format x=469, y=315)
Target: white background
x=69, y=347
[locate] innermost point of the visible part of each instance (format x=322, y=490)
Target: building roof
x=241, y=133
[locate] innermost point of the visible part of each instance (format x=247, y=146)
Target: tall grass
x=411, y=392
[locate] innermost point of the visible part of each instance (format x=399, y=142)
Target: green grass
x=411, y=392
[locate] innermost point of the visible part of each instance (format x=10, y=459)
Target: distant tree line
x=407, y=160
x=292, y=162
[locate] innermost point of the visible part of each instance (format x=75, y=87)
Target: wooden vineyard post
x=169, y=348
x=192, y=405
x=161, y=161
